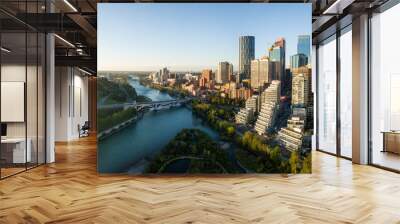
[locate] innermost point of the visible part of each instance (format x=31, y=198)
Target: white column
x=50, y=100
x=360, y=90
x=314, y=91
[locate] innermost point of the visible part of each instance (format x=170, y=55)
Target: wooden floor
x=386, y=159
x=70, y=191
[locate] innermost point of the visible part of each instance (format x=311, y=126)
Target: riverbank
x=170, y=90
x=130, y=149
x=124, y=150
x=107, y=133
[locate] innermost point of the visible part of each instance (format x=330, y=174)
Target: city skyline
x=122, y=52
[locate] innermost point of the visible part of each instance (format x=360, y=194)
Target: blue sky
x=192, y=36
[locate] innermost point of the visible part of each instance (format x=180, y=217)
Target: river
x=128, y=149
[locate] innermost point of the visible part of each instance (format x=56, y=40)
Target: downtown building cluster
x=272, y=84
x=264, y=84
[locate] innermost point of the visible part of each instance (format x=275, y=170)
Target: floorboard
x=71, y=191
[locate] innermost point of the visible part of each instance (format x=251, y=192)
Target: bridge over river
x=153, y=105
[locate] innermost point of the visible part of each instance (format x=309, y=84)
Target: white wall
x=71, y=102
x=33, y=126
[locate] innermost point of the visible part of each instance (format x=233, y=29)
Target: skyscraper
x=259, y=72
x=298, y=60
x=277, y=54
x=301, y=87
x=300, y=90
x=274, y=70
x=303, y=46
x=225, y=70
x=269, y=105
x=164, y=74
x=246, y=54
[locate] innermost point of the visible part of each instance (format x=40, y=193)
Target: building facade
x=259, y=72
x=243, y=93
x=277, y=53
x=303, y=46
x=244, y=116
x=207, y=74
x=301, y=87
x=252, y=103
x=298, y=60
x=269, y=105
x=291, y=137
x=272, y=93
x=224, y=72
x=246, y=54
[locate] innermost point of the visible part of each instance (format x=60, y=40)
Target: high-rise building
x=298, y=60
x=243, y=93
x=296, y=122
x=265, y=118
x=303, y=46
x=259, y=72
x=277, y=54
x=202, y=82
x=207, y=74
x=272, y=93
x=164, y=74
x=244, y=116
x=246, y=54
x=274, y=71
x=252, y=103
x=292, y=136
x=301, y=87
x=287, y=91
x=301, y=70
x=206, y=78
x=269, y=104
x=225, y=70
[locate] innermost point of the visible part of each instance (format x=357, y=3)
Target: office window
x=22, y=95
x=346, y=92
x=327, y=95
x=385, y=89
x=13, y=86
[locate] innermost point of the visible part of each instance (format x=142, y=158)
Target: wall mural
x=204, y=88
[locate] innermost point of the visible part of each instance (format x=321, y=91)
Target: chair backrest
x=86, y=125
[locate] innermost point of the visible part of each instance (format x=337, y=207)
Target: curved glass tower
x=246, y=54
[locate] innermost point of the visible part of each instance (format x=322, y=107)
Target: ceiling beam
x=77, y=61
x=86, y=27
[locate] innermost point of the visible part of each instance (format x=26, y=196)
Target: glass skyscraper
x=277, y=55
x=246, y=54
x=303, y=46
x=298, y=60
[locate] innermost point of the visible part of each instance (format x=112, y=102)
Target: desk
x=391, y=141
x=13, y=150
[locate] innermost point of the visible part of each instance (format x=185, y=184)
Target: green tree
x=307, y=164
x=294, y=159
x=230, y=131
